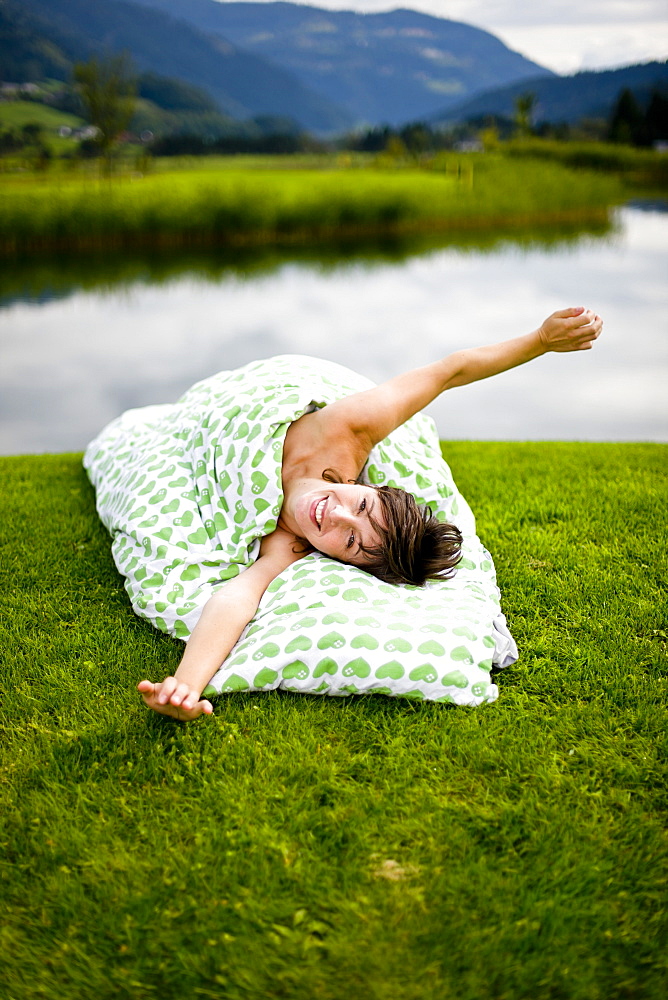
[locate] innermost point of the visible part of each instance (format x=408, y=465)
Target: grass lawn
x=15, y=114
x=323, y=849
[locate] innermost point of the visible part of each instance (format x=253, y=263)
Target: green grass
x=638, y=167
x=299, y=848
x=16, y=114
x=209, y=205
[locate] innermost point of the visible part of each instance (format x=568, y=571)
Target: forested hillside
x=391, y=67
x=590, y=94
x=41, y=38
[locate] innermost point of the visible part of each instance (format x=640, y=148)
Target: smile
x=318, y=511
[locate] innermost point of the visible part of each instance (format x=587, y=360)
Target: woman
x=378, y=529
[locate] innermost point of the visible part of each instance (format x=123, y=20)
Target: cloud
x=71, y=365
x=569, y=48
x=556, y=13
x=485, y=13
x=564, y=35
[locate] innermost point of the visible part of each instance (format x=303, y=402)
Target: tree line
x=107, y=89
x=634, y=125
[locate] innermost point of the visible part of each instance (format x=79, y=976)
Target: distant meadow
x=202, y=204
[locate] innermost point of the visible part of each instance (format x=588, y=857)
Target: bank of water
x=207, y=206
x=81, y=341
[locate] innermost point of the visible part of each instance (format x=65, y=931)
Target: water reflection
x=82, y=340
x=44, y=279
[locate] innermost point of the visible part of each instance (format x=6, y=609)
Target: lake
x=84, y=339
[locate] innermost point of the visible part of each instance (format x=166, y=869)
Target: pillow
x=326, y=628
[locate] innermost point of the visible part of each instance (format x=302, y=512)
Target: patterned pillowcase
x=326, y=628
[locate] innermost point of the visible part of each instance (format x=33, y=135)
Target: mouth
x=318, y=511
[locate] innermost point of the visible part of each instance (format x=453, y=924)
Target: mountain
x=164, y=105
x=589, y=94
x=26, y=51
x=330, y=69
x=54, y=33
x=392, y=67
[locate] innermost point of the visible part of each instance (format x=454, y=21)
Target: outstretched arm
x=371, y=415
x=222, y=621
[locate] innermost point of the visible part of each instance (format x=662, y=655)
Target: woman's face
x=334, y=518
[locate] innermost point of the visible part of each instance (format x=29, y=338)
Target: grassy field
x=16, y=114
x=306, y=849
x=638, y=167
x=207, y=205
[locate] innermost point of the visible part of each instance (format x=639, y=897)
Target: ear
x=302, y=547
x=332, y=476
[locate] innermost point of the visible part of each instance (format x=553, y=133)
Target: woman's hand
x=223, y=619
x=570, y=330
x=171, y=697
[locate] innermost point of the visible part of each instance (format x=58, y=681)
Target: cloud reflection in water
x=71, y=364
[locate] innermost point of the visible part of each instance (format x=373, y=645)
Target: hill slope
x=590, y=94
x=391, y=67
x=242, y=84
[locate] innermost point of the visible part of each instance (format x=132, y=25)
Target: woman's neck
x=293, y=489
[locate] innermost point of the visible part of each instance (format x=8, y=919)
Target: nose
x=340, y=515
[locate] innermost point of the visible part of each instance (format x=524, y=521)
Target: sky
x=563, y=35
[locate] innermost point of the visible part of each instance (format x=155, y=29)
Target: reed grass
x=642, y=167
x=209, y=206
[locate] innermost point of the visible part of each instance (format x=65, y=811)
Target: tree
x=32, y=133
x=417, y=138
x=656, y=119
x=524, y=107
x=627, y=122
x=489, y=136
x=107, y=90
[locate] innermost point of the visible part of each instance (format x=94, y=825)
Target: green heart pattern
x=187, y=490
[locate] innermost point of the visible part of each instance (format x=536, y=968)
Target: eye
x=351, y=541
x=362, y=505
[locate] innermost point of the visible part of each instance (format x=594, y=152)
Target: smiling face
x=335, y=519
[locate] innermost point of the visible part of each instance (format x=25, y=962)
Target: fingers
x=173, y=698
x=568, y=313
x=586, y=326
x=571, y=330
x=591, y=330
x=188, y=714
x=189, y=700
x=574, y=318
x=167, y=690
x=583, y=319
x=177, y=694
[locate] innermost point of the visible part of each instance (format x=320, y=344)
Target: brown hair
x=414, y=545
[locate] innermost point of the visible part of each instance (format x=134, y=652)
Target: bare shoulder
x=322, y=440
